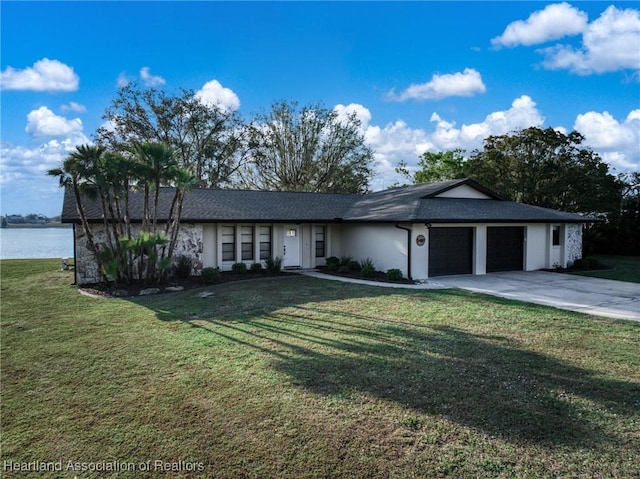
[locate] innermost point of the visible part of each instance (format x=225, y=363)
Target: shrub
x=353, y=266
x=343, y=269
x=255, y=267
x=344, y=260
x=183, y=267
x=274, y=265
x=394, y=274
x=333, y=260
x=581, y=264
x=368, y=268
x=239, y=268
x=210, y=275
x=332, y=267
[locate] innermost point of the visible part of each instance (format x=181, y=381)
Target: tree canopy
x=307, y=149
x=439, y=166
x=545, y=167
x=206, y=140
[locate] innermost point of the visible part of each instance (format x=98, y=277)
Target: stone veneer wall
x=189, y=244
x=573, y=249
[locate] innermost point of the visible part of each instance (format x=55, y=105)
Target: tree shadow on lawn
x=481, y=381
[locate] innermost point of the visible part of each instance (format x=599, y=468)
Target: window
x=556, y=236
x=228, y=243
x=320, y=242
x=246, y=242
x=265, y=242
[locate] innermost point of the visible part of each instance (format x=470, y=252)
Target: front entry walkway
x=601, y=297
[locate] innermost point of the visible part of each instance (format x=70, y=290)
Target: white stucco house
x=443, y=228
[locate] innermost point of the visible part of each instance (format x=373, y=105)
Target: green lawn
x=623, y=268
x=304, y=378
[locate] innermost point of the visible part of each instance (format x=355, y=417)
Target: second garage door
x=505, y=248
x=450, y=251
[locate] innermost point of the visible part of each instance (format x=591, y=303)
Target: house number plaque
x=420, y=240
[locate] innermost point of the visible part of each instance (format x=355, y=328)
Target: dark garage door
x=505, y=248
x=450, y=251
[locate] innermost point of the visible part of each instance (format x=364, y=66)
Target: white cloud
x=44, y=75
x=361, y=113
x=214, y=94
x=123, y=80
x=398, y=142
x=617, y=142
x=148, y=79
x=552, y=23
x=610, y=43
x=73, y=106
x=44, y=123
x=466, y=83
x=24, y=183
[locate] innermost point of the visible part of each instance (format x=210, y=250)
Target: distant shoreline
x=35, y=225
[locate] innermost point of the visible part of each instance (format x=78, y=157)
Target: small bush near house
x=332, y=267
x=353, y=266
x=394, y=274
x=210, y=275
x=580, y=263
x=367, y=267
x=333, y=260
x=255, y=267
x=343, y=269
x=239, y=268
x=274, y=265
x=183, y=267
x=344, y=260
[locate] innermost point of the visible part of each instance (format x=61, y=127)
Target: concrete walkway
x=600, y=297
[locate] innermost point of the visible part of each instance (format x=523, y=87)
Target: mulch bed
x=111, y=290
x=379, y=276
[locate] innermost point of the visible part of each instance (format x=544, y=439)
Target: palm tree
x=156, y=167
x=75, y=172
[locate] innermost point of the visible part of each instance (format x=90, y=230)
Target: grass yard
x=304, y=378
x=624, y=268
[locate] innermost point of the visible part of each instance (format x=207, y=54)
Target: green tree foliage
x=307, y=149
x=440, y=166
x=206, y=140
x=108, y=178
x=545, y=167
x=620, y=231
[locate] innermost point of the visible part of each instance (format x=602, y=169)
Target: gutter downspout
x=408, y=230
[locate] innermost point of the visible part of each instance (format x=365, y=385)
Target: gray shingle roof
x=406, y=204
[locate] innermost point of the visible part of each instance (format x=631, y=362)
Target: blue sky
x=422, y=76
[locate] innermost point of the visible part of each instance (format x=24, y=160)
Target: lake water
x=36, y=243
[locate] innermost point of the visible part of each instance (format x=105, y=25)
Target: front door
x=291, y=253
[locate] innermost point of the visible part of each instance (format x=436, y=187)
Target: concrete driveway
x=601, y=297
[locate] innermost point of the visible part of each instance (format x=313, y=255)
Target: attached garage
x=505, y=248
x=450, y=251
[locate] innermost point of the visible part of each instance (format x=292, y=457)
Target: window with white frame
x=228, y=243
x=246, y=242
x=265, y=242
x=321, y=250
